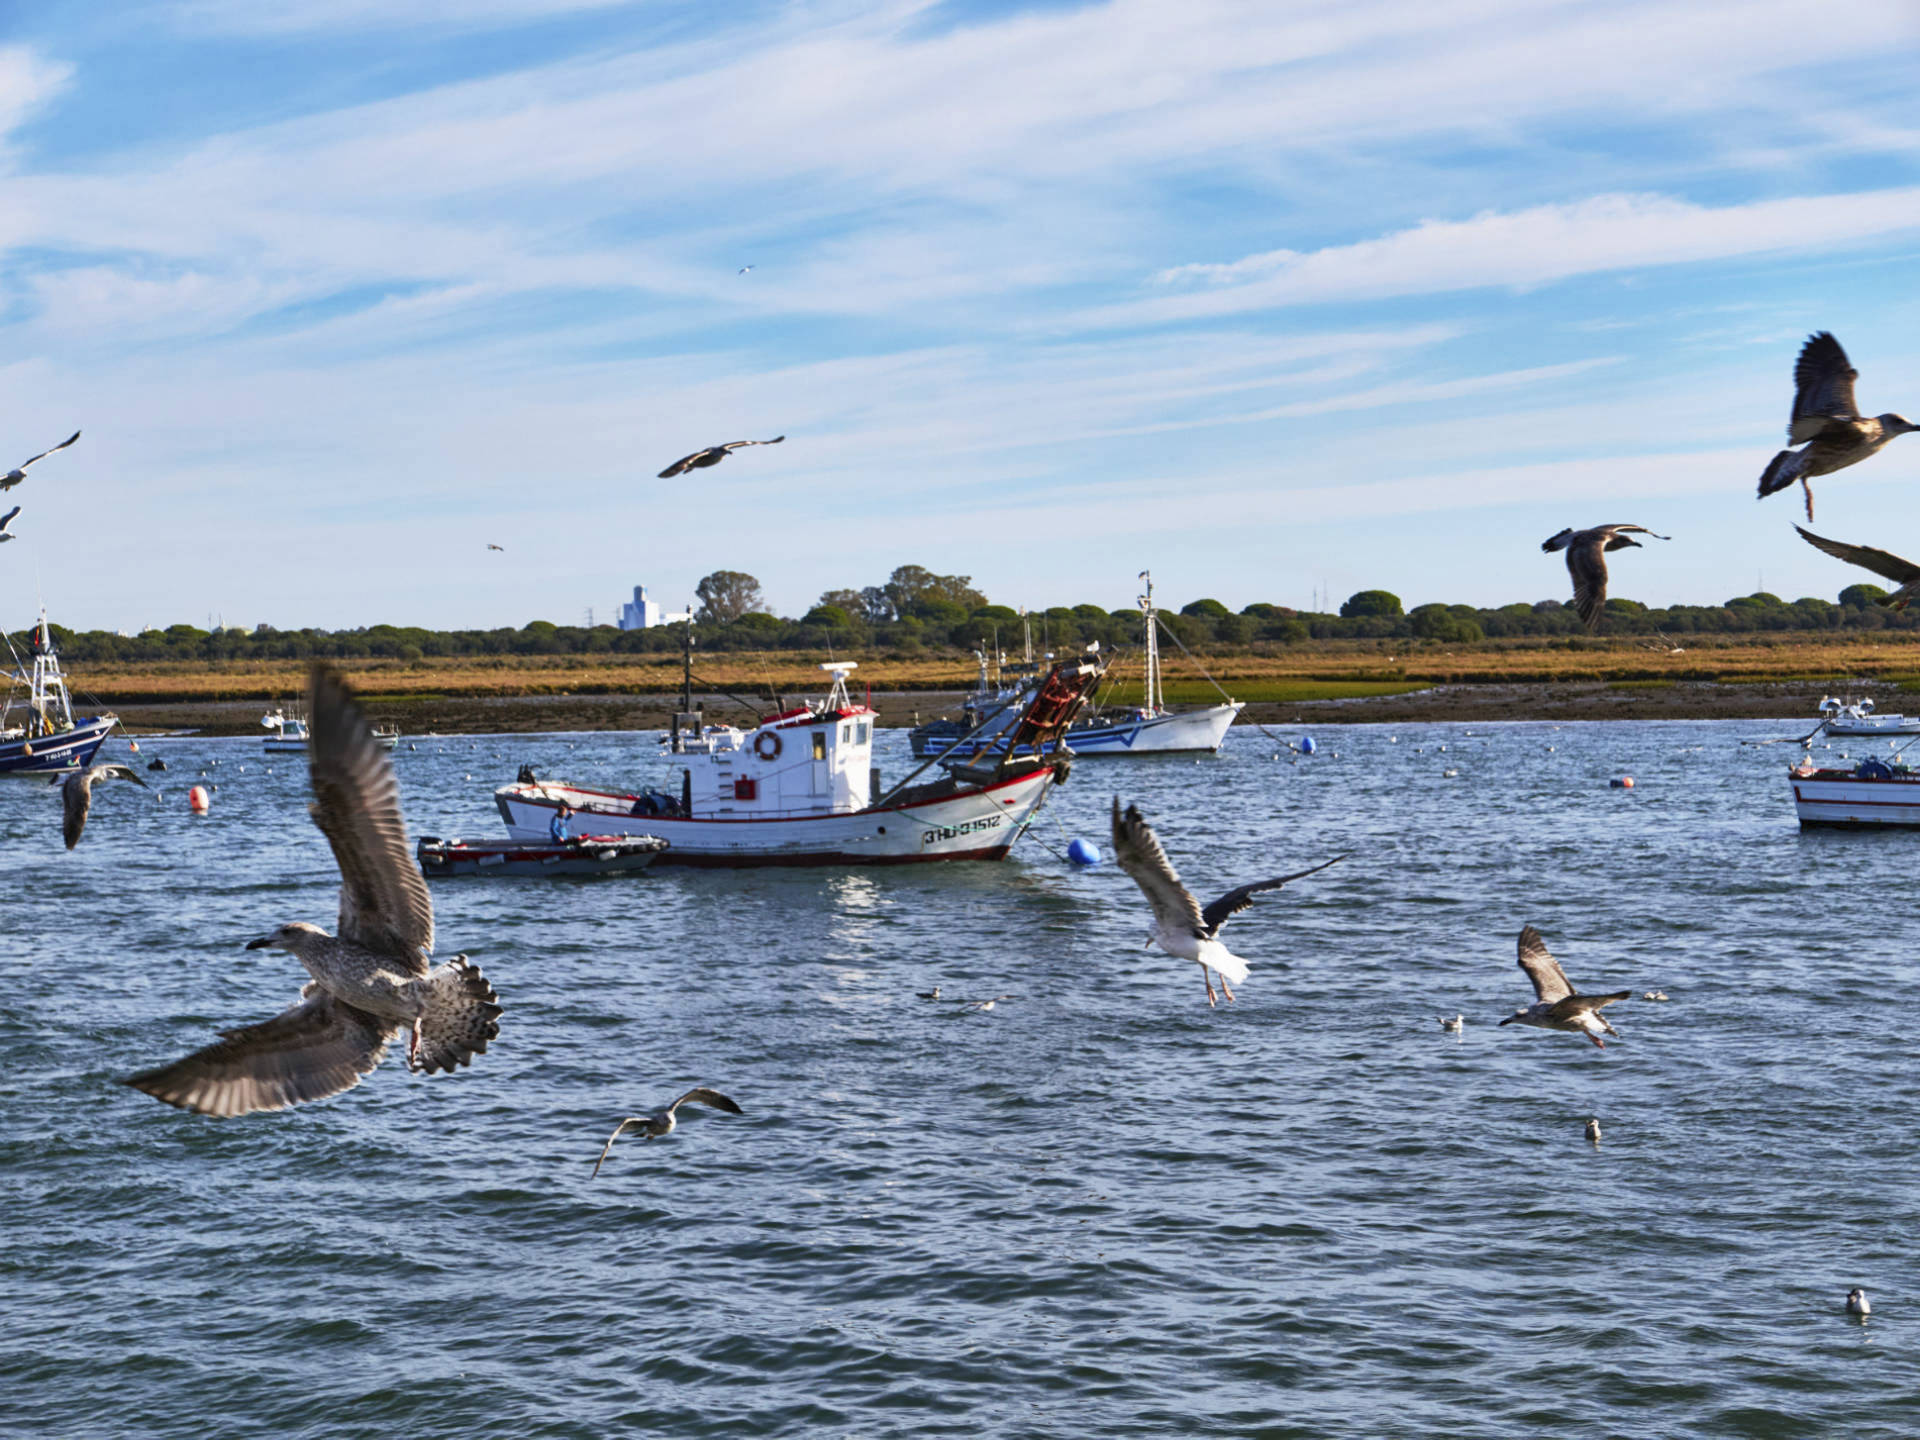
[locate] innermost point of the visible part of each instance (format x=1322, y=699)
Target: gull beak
x=265, y=942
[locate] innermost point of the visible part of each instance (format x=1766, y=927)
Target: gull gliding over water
x=6, y=525
x=1904, y=573
x=1826, y=416
x=19, y=472
x=372, y=981
x=652, y=1127
x=1180, y=926
x=712, y=455
x=76, y=796
x=1587, y=563
x=1557, y=1005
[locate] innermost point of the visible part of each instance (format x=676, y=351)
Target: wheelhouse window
x=860, y=733
x=819, y=744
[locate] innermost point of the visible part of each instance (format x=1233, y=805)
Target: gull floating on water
x=1587, y=563
x=6, y=525
x=1180, y=926
x=712, y=455
x=652, y=1127
x=372, y=981
x=1456, y=1025
x=1593, y=1131
x=76, y=796
x=1881, y=562
x=1655, y=995
x=1557, y=1005
x=1857, y=1302
x=1826, y=415
x=19, y=472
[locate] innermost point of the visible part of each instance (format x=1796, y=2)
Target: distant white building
x=640, y=613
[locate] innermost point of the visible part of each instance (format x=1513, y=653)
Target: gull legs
x=1809, y=489
x=1206, y=978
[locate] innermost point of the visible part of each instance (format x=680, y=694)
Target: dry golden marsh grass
x=1323, y=670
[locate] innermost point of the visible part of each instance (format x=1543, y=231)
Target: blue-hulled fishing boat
x=43, y=738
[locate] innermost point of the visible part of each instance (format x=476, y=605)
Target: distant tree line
x=917, y=610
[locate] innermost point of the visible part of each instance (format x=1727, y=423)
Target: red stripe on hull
x=825, y=857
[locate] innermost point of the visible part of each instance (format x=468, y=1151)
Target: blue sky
x=1269, y=299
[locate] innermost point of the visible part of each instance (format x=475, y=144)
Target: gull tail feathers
x=1782, y=471
x=462, y=1015
x=1216, y=956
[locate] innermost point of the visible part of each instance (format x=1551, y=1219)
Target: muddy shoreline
x=1556, y=701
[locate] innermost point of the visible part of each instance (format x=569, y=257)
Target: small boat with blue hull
x=46, y=739
x=586, y=855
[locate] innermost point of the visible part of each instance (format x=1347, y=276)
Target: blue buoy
x=1306, y=745
x=1081, y=853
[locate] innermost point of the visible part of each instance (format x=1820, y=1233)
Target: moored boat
x=290, y=733
x=1840, y=717
x=47, y=740
x=1146, y=729
x=586, y=855
x=800, y=789
x=1875, y=793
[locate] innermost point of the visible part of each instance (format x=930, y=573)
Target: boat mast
x=49, y=686
x=1155, y=701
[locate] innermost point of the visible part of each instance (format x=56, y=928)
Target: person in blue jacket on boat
x=561, y=826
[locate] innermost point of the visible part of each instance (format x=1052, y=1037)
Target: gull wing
x=44, y=453
x=6, y=520
x=317, y=1048
x=607, y=1149
x=76, y=797
x=1550, y=982
x=688, y=462
x=1880, y=562
x=1823, y=388
x=384, y=905
x=1588, y=567
x=1136, y=849
x=1234, y=901
x=700, y=1095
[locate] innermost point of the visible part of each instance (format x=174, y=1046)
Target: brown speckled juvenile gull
x=1828, y=418
x=1587, y=563
x=1557, y=1005
x=76, y=796
x=652, y=1127
x=370, y=982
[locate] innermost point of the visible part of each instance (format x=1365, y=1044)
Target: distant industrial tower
x=640, y=613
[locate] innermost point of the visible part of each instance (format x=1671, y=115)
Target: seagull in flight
x=712, y=455
x=1826, y=416
x=1180, y=926
x=652, y=1127
x=372, y=981
x=745, y=268
x=76, y=796
x=14, y=476
x=1557, y=1005
x=501, y=548
x=6, y=525
x=1588, y=565
x=1881, y=562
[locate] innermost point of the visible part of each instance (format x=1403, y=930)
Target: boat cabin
x=811, y=760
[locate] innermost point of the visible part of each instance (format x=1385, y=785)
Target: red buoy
x=198, y=800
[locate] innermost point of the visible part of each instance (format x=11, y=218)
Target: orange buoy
x=198, y=800
x=1625, y=782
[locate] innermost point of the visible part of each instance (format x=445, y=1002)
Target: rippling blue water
x=1098, y=1209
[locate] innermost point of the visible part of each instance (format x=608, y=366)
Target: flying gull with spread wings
x=19, y=472
x=1827, y=418
x=712, y=455
x=652, y=1127
x=371, y=981
x=1587, y=563
x=1180, y=926
x=1557, y=1005
x=1904, y=573
x=6, y=525
x=76, y=796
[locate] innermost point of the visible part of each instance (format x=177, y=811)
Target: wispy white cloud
x=27, y=81
x=1528, y=247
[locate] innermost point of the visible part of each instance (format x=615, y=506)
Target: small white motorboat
x=1857, y=718
x=290, y=733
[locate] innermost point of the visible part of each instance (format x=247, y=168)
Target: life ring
x=767, y=745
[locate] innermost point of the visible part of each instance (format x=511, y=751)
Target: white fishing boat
x=45, y=739
x=1873, y=793
x=800, y=788
x=1146, y=729
x=1857, y=717
x=290, y=733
